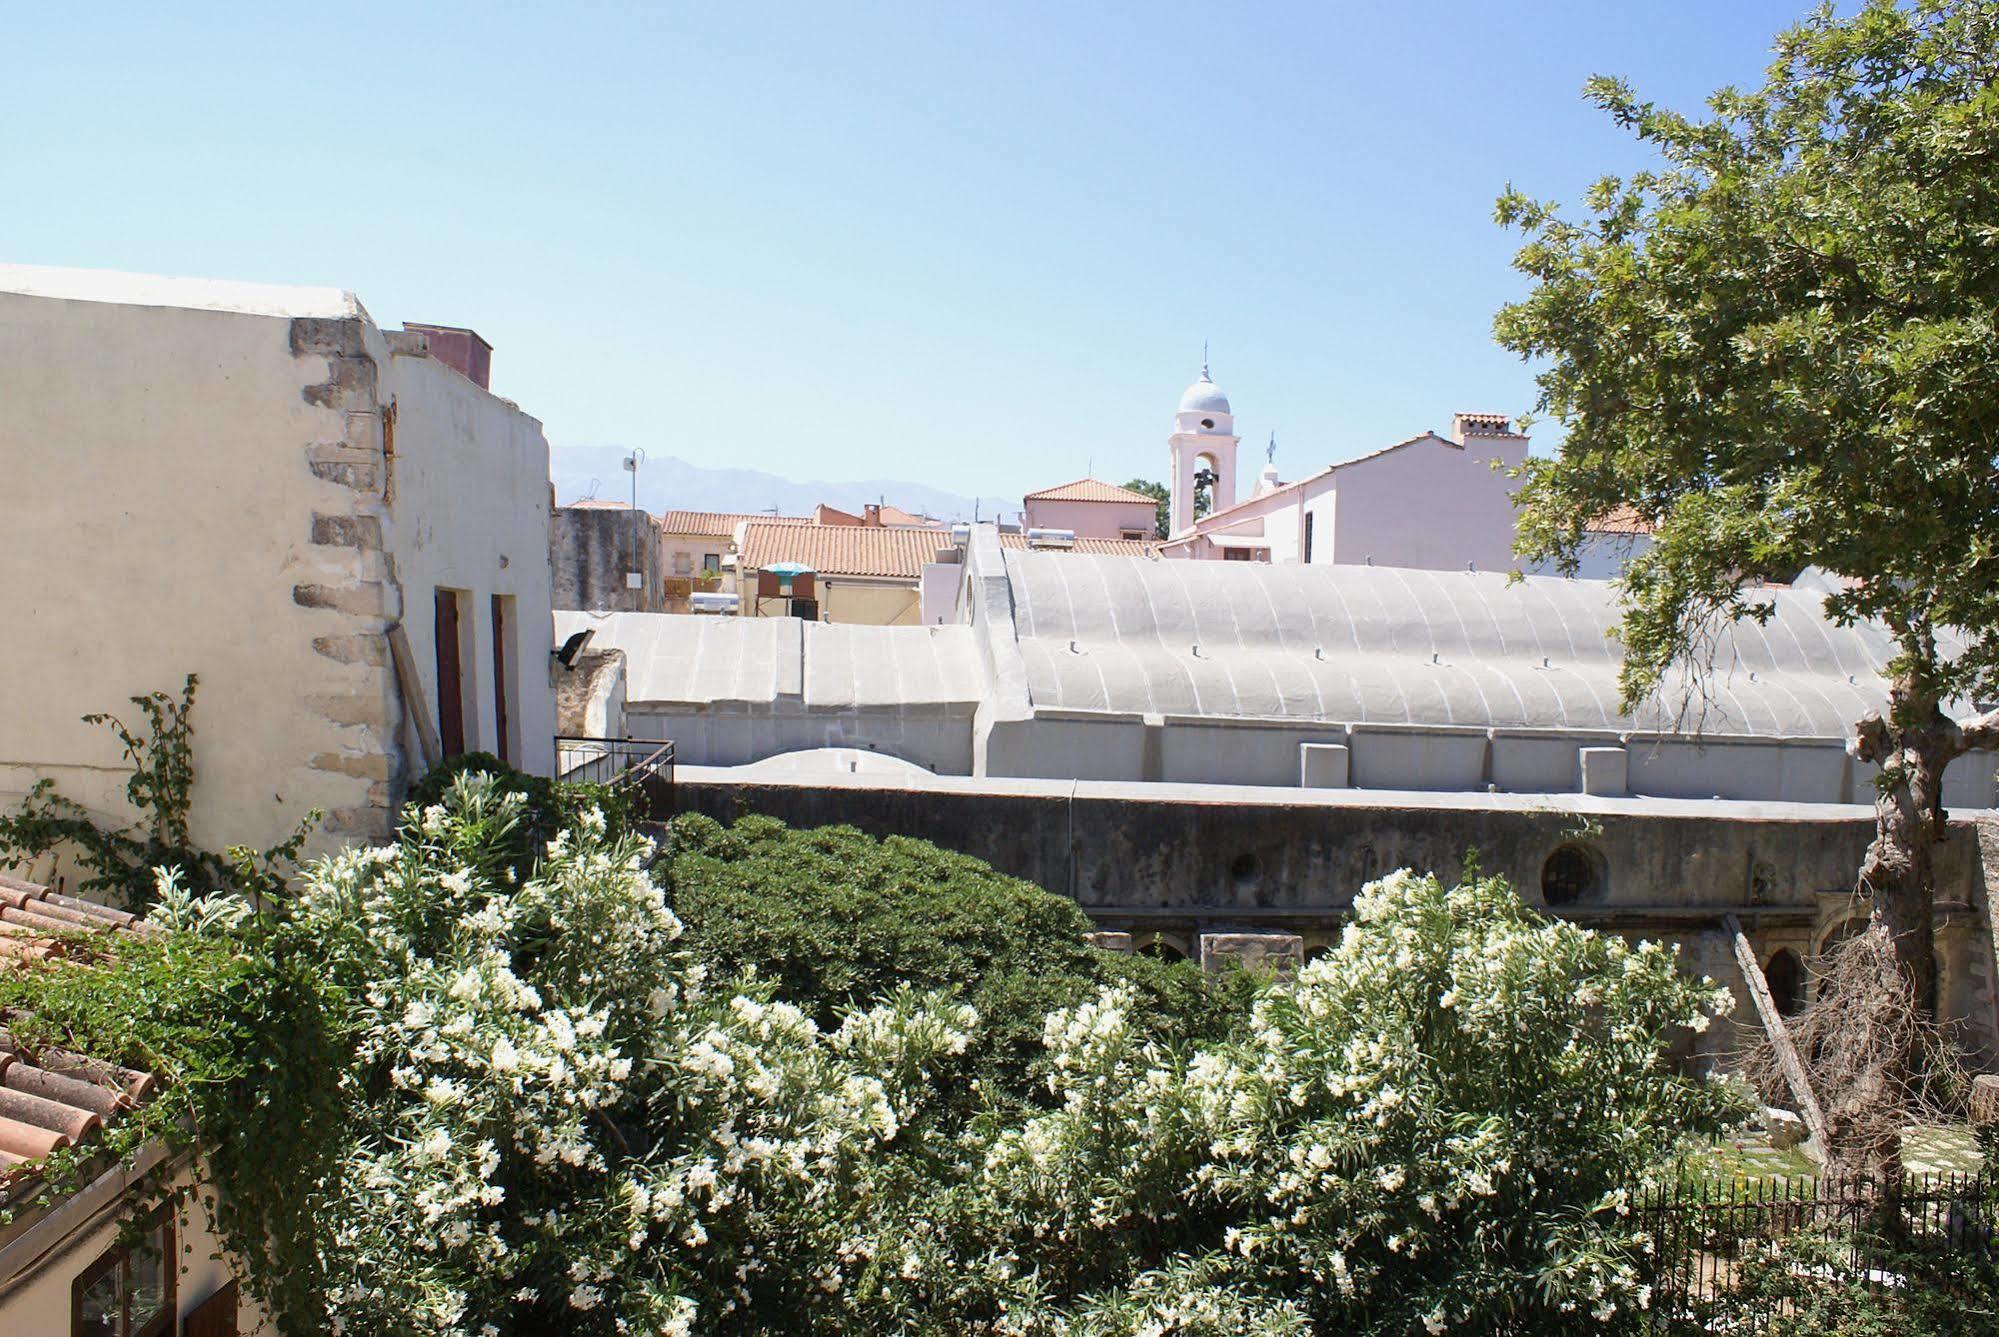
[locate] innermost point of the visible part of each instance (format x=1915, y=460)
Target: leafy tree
x=1162, y=521
x=1780, y=347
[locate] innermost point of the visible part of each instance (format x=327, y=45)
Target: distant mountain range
x=670, y=484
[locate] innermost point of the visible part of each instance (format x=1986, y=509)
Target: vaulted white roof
x=691, y=658
x=1380, y=645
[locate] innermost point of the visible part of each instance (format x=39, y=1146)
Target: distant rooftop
x=115, y=287
x=1091, y=489
x=841, y=550
x=722, y=522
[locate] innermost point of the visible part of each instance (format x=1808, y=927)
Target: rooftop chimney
x=460, y=349
x=871, y=515
x=1465, y=425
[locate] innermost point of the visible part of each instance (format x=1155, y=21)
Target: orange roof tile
x=51, y=1098
x=1091, y=489
x=841, y=550
x=721, y=522
x=1094, y=546
x=1620, y=520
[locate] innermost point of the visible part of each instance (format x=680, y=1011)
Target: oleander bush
x=535, y=1106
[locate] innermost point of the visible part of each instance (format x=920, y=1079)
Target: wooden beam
x=1780, y=1035
x=413, y=699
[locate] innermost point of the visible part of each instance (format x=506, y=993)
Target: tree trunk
x=1891, y=988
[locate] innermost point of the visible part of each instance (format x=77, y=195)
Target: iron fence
x=644, y=766
x=1707, y=1234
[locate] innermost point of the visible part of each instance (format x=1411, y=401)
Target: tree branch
x=1978, y=734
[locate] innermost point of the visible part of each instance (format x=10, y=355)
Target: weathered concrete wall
x=1170, y=862
x=592, y=549
x=936, y=735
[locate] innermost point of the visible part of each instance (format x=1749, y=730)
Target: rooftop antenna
x=1270, y=451
x=1204, y=359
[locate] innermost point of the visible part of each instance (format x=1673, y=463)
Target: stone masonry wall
x=348, y=585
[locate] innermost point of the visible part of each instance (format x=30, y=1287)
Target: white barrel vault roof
x=1384, y=645
x=695, y=659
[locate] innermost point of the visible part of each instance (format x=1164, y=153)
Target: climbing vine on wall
x=120, y=861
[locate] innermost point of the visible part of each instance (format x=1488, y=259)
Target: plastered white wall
x=156, y=519
x=471, y=512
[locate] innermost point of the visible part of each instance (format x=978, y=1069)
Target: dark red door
x=501, y=669
x=450, y=680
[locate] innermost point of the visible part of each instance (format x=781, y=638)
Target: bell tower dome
x=1203, y=439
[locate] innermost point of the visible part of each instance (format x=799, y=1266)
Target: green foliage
x=1780, y=345
x=121, y=861
x=548, y=805
x=1162, y=525
x=234, y=1013
x=440, y=1097
x=833, y=919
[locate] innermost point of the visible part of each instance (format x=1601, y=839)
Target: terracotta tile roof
x=52, y=1098
x=841, y=550
x=1620, y=520
x=1094, y=546
x=1091, y=489
x=721, y=522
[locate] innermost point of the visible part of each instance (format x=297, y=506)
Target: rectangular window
x=1132, y=533
x=1309, y=518
x=711, y=561
x=1238, y=555
x=683, y=564
x=503, y=678
x=450, y=675
x=129, y=1292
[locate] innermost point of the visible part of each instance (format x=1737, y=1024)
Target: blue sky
x=978, y=246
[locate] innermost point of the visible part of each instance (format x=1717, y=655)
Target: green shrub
x=833, y=919
x=551, y=805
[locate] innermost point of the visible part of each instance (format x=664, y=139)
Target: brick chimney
x=871, y=516
x=460, y=349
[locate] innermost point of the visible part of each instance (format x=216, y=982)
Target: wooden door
x=450, y=677
x=502, y=671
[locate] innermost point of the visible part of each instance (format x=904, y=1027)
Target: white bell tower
x=1203, y=438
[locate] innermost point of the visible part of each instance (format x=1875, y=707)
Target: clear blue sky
x=978, y=246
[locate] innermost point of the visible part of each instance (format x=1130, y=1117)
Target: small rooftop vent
x=1051, y=538
x=460, y=349
x=961, y=534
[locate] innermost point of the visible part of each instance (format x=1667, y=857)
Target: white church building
x=1430, y=503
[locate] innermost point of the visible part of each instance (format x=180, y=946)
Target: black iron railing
x=1707, y=1235
x=642, y=765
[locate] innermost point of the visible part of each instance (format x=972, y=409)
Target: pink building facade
x=1092, y=509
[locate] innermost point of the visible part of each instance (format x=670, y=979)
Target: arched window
x=1571, y=873
x=1162, y=947
x=1784, y=972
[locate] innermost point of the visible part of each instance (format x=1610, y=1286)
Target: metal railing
x=642, y=765
x=1705, y=1236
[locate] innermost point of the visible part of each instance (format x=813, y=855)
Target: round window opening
x=1208, y=423
x=1570, y=874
